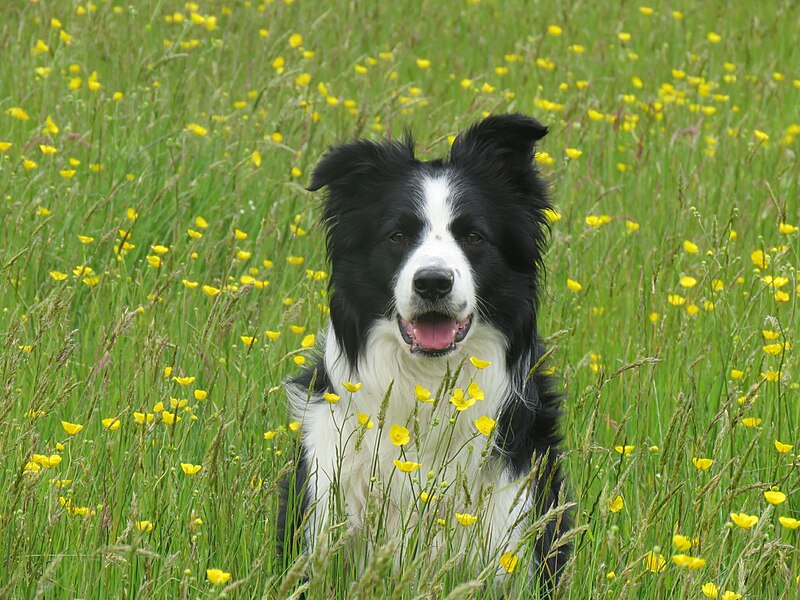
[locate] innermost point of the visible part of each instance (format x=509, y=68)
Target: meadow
x=162, y=270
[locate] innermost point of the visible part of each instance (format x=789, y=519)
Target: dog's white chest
x=440, y=462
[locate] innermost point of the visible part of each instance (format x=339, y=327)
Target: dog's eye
x=473, y=238
x=398, y=237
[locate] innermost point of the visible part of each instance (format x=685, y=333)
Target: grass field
x=162, y=267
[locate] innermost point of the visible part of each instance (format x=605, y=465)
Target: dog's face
x=439, y=249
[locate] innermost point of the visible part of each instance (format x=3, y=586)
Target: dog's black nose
x=433, y=283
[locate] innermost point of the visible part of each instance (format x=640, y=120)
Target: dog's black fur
x=503, y=198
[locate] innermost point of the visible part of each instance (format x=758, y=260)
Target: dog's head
x=440, y=248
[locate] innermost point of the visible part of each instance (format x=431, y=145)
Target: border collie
x=435, y=270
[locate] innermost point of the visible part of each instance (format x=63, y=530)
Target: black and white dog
x=435, y=270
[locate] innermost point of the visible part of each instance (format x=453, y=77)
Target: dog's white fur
x=438, y=249
x=359, y=462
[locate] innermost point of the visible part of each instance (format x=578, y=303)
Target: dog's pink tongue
x=435, y=335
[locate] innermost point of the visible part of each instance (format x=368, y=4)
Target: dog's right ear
x=360, y=159
x=508, y=139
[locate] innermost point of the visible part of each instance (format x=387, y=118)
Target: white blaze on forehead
x=436, y=205
x=437, y=248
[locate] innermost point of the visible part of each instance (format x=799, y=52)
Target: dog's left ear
x=360, y=160
x=509, y=139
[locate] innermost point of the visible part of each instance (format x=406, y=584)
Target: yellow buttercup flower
x=782, y=448
x=552, y=215
x=690, y=247
x=352, y=387
x=681, y=542
x=597, y=220
x=295, y=40
x=744, y=520
x=466, y=519
x=460, y=400
x=676, y=299
x=196, y=129
x=475, y=392
x=48, y=462
x=363, y=420
x=399, y=435
x=406, y=466
x=789, y=522
x=190, y=469
x=422, y=394
x=702, y=464
x=485, y=425
x=169, y=418
x=654, y=562
x=689, y=562
x=478, y=363
x=775, y=497
x=759, y=259
x=145, y=526
x=509, y=561
x=112, y=423
x=217, y=576
x=17, y=113
x=71, y=428
x=616, y=504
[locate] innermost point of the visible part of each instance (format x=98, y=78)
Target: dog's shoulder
x=528, y=423
x=309, y=385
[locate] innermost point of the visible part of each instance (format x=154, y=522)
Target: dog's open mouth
x=433, y=334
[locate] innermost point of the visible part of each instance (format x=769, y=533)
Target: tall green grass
x=694, y=137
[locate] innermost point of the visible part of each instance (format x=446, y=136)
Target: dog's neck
x=386, y=364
